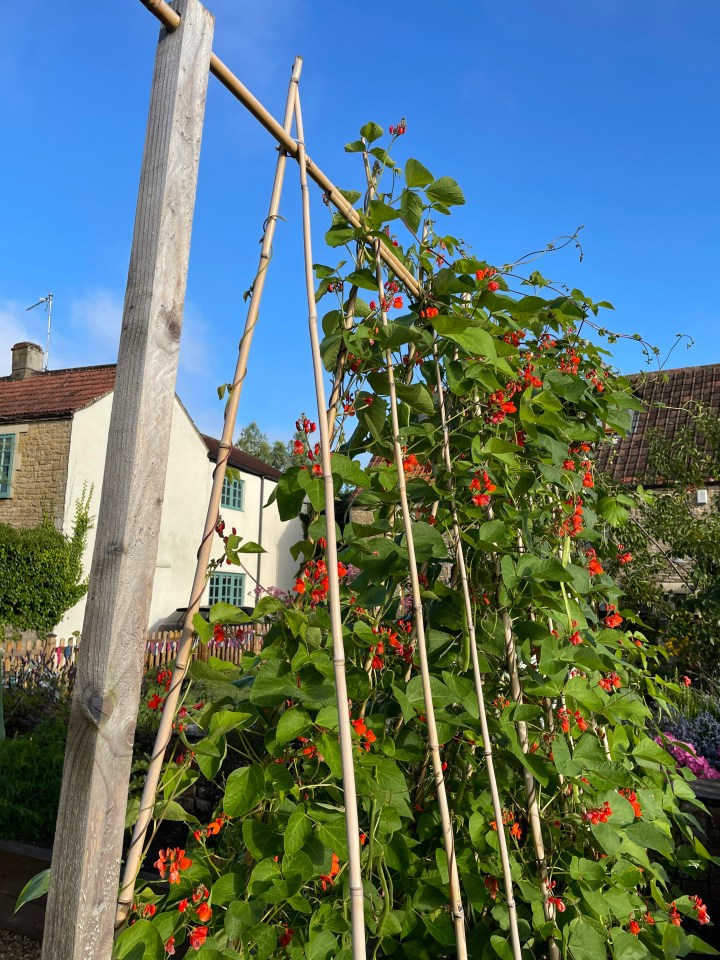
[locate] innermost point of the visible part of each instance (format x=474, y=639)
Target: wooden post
x=88, y=841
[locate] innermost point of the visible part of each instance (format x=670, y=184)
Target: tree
x=253, y=441
x=669, y=537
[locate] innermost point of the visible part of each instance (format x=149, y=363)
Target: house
x=53, y=439
x=670, y=400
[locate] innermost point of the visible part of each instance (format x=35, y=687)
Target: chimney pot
x=27, y=359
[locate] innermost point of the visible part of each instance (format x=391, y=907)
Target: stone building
x=670, y=399
x=54, y=428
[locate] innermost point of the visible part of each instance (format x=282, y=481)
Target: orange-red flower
x=198, y=936
x=204, y=912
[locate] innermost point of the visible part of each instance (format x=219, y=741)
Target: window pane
x=6, y=452
x=227, y=588
x=233, y=494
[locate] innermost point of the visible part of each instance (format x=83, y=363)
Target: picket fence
x=59, y=656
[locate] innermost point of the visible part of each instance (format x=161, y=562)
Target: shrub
x=41, y=571
x=31, y=767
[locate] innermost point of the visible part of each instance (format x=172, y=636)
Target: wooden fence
x=59, y=656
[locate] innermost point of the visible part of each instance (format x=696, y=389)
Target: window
x=227, y=588
x=7, y=441
x=233, y=494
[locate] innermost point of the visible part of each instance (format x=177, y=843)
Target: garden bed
x=19, y=863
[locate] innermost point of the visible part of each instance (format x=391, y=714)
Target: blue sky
x=550, y=114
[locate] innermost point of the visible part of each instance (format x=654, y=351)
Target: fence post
x=88, y=841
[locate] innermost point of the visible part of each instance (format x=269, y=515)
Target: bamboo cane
x=533, y=808
x=477, y=677
x=346, y=745
x=455, y=894
x=171, y=20
x=164, y=733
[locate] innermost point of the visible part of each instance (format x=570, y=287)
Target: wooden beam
x=88, y=842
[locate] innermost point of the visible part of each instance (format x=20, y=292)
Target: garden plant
x=511, y=799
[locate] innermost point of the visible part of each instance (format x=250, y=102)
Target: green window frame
x=7, y=445
x=227, y=588
x=233, y=494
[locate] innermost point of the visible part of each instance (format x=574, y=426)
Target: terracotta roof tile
x=53, y=393
x=668, y=397
x=241, y=460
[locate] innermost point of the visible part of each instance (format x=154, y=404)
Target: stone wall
x=39, y=473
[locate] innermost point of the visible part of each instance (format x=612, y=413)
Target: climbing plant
x=497, y=686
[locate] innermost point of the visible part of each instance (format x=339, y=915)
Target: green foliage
x=671, y=538
x=254, y=441
x=527, y=399
x=41, y=571
x=31, y=768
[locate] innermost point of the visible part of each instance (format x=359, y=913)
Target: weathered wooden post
x=88, y=841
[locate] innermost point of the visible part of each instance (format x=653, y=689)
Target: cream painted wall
x=187, y=490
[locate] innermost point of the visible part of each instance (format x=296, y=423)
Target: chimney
x=27, y=359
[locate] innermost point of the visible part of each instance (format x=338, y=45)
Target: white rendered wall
x=187, y=491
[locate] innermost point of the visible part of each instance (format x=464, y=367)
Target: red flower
x=198, y=936
x=701, y=910
x=377, y=663
x=359, y=726
x=298, y=447
x=299, y=586
x=156, y=702
x=317, y=470
x=575, y=638
x=516, y=831
x=687, y=681
x=149, y=910
x=170, y=946
x=326, y=879
x=493, y=285
x=634, y=927
x=674, y=917
x=183, y=905
x=286, y=937
x=397, y=302
x=342, y=570
x=492, y=886
x=481, y=499
x=173, y=859
x=204, y=912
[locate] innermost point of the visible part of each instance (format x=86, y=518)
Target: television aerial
x=48, y=301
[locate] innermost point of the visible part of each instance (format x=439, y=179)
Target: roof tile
x=53, y=393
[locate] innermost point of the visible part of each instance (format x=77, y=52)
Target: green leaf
x=210, y=753
x=612, y=511
x=245, y=788
x=229, y=887
x=35, y=888
x=416, y=175
x=227, y=613
x=446, y=191
x=474, y=340
x=173, y=811
x=365, y=279
x=585, y=943
x=371, y=131
x=429, y=543
x=627, y=947
x=416, y=396
x=223, y=721
x=202, y=628
x=141, y=941
x=357, y=146
x=298, y=829
x=293, y=723
x=411, y=210
x=321, y=946
x=349, y=471
x=261, y=840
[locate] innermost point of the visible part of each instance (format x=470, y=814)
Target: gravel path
x=15, y=947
